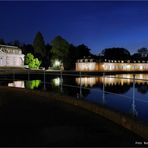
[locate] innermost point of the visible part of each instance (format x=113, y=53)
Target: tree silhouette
x=27, y=48
x=2, y=42
x=116, y=53
x=39, y=45
x=60, y=50
x=82, y=50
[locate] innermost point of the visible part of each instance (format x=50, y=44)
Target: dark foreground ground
x=29, y=120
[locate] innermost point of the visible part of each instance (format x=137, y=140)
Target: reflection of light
x=86, y=81
x=140, y=76
x=33, y=84
x=56, y=81
x=120, y=79
x=19, y=84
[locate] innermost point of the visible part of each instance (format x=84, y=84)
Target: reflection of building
x=11, y=56
x=87, y=81
x=110, y=80
x=19, y=84
x=111, y=65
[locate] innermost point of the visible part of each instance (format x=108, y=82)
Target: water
x=117, y=92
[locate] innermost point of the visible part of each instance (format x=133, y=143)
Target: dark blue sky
x=97, y=24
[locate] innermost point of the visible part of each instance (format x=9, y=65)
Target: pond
x=125, y=93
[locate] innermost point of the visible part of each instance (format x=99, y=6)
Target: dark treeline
x=68, y=53
x=58, y=48
x=123, y=54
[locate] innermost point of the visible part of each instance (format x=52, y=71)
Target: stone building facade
x=110, y=65
x=11, y=56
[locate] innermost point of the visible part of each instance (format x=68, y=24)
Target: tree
x=77, y=53
x=143, y=52
x=116, y=53
x=29, y=58
x=82, y=50
x=60, y=50
x=72, y=56
x=46, y=60
x=39, y=45
x=136, y=56
x=2, y=42
x=27, y=48
x=15, y=43
x=31, y=61
x=35, y=63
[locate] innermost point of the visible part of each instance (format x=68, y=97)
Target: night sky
x=97, y=24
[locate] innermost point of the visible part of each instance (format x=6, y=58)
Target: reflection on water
x=56, y=81
x=121, y=92
x=33, y=84
x=19, y=84
x=120, y=79
x=114, y=91
x=87, y=81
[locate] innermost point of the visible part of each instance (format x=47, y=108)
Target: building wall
x=11, y=56
x=86, y=66
x=94, y=66
x=123, y=66
x=14, y=60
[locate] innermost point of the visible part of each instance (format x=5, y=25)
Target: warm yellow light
x=128, y=66
x=141, y=67
x=56, y=81
x=86, y=81
x=57, y=63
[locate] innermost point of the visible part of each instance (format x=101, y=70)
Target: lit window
x=128, y=66
x=141, y=67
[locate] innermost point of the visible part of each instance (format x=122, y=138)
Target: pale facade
x=11, y=56
x=110, y=65
x=86, y=65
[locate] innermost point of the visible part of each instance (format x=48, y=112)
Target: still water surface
x=114, y=91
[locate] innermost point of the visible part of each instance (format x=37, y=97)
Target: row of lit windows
x=128, y=67
x=128, y=61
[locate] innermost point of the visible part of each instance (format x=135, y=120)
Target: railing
x=13, y=74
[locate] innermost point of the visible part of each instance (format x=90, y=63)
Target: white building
x=11, y=56
x=110, y=65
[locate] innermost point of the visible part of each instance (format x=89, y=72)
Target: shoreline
x=136, y=126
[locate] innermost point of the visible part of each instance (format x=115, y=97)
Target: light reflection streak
x=18, y=84
x=113, y=80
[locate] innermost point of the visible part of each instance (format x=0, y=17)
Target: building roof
x=7, y=46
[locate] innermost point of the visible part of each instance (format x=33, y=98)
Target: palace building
x=88, y=64
x=11, y=56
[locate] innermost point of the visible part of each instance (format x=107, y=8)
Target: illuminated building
x=86, y=65
x=111, y=65
x=11, y=56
